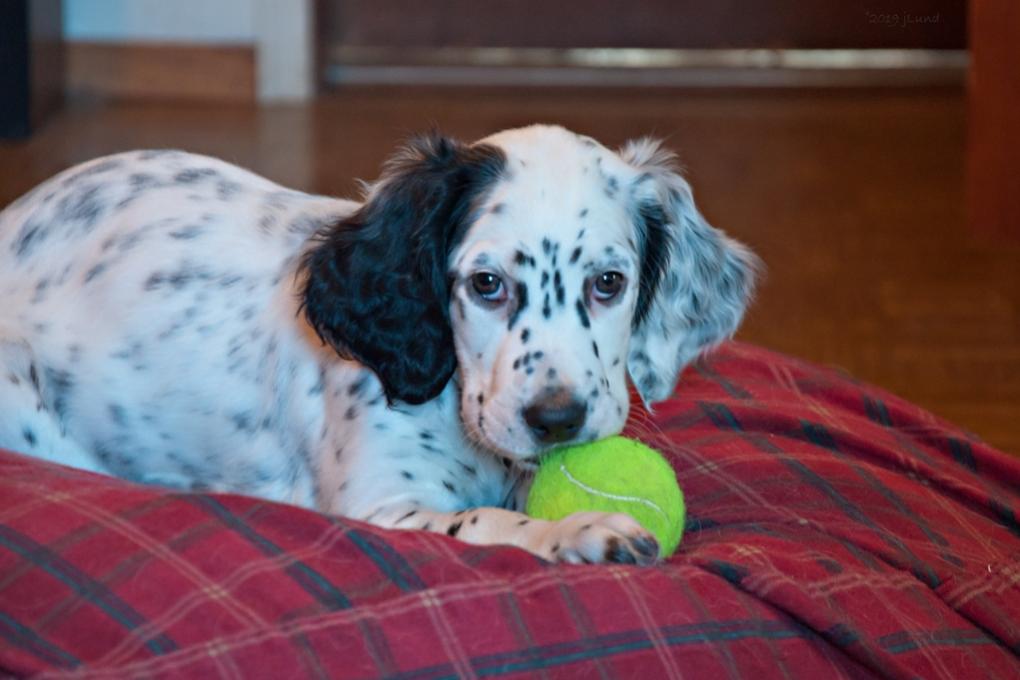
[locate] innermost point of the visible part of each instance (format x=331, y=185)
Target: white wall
x=192, y=21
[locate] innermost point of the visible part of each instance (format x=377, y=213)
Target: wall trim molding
x=159, y=71
x=645, y=67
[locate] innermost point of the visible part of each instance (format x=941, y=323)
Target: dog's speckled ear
x=695, y=281
x=376, y=286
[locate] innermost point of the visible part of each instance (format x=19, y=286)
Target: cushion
x=834, y=531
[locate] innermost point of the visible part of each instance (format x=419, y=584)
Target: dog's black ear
x=376, y=284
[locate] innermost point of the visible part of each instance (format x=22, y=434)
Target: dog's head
x=539, y=266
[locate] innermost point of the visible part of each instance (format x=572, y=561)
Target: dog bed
x=834, y=531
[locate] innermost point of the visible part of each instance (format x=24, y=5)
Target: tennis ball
x=612, y=475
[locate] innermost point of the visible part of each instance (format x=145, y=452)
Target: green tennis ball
x=612, y=475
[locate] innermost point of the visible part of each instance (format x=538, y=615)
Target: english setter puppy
x=172, y=319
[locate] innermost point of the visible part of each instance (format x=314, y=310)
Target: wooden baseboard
x=161, y=71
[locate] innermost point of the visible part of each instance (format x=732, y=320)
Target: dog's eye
x=607, y=286
x=489, y=287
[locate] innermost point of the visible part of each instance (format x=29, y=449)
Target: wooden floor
x=853, y=199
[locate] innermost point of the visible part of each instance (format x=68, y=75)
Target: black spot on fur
x=357, y=386
x=31, y=235
x=522, y=522
x=142, y=180
x=82, y=206
x=481, y=398
x=406, y=474
x=612, y=186
x=574, y=256
x=582, y=313
x=454, y=529
x=522, y=304
x=449, y=486
x=469, y=469
x=545, y=279
x=59, y=385
x=654, y=251
x=582, y=214
x=498, y=208
x=351, y=413
x=187, y=233
x=244, y=421
x=29, y=435
x=192, y=175
x=525, y=334
x=474, y=519
x=178, y=279
x=595, y=348
x=93, y=272
x=523, y=259
x=409, y=515
x=226, y=189
x=617, y=553
x=117, y=414
x=40, y=291
x=561, y=292
x=546, y=307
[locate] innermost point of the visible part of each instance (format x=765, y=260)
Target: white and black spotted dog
x=173, y=319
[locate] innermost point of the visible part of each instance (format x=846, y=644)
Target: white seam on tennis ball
x=612, y=496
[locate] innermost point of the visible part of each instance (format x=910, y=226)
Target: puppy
x=173, y=319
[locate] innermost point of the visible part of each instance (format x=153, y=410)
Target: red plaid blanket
x=834, y=531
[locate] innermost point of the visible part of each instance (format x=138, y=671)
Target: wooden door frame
x=993, y=101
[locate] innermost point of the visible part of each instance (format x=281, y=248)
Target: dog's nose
x=555, y=417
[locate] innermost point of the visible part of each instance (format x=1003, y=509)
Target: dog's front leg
x=584, y=537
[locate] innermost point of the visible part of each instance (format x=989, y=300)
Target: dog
x=172, y=319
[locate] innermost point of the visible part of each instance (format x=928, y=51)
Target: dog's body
x=162, y=315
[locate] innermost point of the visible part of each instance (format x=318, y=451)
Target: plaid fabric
x=834, y=531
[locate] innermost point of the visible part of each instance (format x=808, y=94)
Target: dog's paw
x=599, y=537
